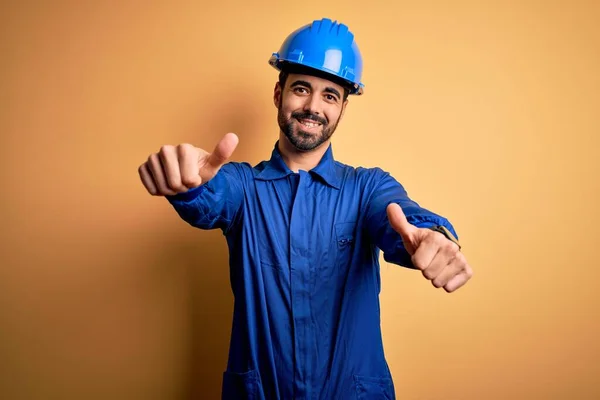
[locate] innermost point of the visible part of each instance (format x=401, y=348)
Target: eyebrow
x=328, y=89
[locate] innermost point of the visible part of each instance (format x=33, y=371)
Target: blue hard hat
x=326, y=46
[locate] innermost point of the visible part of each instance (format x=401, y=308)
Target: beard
x=300, y=139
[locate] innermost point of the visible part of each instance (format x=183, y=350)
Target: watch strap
x=444, y=231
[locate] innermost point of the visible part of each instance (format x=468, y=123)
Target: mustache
x=309, y=116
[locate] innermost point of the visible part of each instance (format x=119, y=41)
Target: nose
x=312, y=105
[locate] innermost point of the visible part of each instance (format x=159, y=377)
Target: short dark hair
x=298, y=69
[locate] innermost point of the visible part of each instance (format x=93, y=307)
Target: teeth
x=309, y=124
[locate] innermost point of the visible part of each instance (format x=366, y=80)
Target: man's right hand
x=177, y=169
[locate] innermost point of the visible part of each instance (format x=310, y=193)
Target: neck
x=300, y=160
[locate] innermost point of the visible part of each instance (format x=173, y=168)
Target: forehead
x=315, y=81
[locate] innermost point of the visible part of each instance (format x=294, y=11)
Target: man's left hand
x=439, y=259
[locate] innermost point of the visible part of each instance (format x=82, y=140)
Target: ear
x=343, y=108
x=277, y=95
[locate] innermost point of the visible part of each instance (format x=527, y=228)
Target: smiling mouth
x=309, y=123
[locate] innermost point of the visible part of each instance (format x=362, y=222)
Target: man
x=304, y=234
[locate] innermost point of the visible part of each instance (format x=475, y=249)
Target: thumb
x=400, y=223
x=223, y=150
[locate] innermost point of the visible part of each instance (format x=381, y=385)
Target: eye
x=300, y=90
x=330, y=97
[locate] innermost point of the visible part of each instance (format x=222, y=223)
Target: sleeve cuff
x=188, y=196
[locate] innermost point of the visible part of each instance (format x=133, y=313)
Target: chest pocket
x=345, y=238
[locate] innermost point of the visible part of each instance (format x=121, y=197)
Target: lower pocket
x=240, y=386
x=373, y=388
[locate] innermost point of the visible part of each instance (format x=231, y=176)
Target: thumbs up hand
x=439, y=259
x=176, y=169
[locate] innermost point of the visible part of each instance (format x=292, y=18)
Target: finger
x=223, y=150
x=445, y=256
x=426, y=251
x=440, y=261
x=147, y=179
x=170, y=165
x=188, y=165
x=158, y=175
x=423, y=257
x=399, y=222
x=459, y=280
x=453, y=268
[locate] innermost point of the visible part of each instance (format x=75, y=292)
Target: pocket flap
x=344, y=233
x=374, y=388
x=240, y=386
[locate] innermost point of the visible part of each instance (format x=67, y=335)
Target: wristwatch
x=444, y=231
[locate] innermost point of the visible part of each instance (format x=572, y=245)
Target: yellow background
x=487, y=112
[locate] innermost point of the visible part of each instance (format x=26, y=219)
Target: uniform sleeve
x=215, y=204
x=388, y=191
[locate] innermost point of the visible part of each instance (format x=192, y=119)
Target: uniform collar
x=276, y=168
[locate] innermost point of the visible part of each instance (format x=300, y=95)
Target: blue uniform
x=304, y=268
